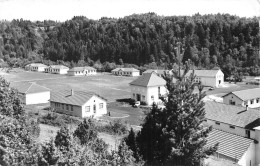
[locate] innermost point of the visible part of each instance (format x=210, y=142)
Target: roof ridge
x=29, y=87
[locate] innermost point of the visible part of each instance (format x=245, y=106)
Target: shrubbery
x=115, y=127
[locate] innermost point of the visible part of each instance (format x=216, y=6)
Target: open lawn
x=109, y=86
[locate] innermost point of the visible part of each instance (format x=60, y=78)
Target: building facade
x=78, y=103
x=126, y=72
x=82, y=71
x=148, y=88
x=237, y=130
x=32, y=93
x=56, y=69
x=39, y=67
x=248, y=97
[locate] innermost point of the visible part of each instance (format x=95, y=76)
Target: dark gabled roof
x=78, y=98
x=126, y=69
x=28, y=87
x=230, y=145
x=148, y=79
x=246, y=94
x=231, y=114
x=81, y=68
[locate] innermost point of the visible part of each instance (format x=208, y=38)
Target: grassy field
x=109, y=86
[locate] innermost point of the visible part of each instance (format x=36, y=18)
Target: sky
x=62, y=10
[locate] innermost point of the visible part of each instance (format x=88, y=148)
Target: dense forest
x=147, y=40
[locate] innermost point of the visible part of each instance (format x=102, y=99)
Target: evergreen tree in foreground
x=175, y=135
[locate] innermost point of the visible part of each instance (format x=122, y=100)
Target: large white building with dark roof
x=248, y=97
x=32, y=93
x=148, y=88
x=39, y=67
x=82, y=71
x=57, y=69
x=78, y=103
x=237, y=130
x=212, y=78
x=126, y=72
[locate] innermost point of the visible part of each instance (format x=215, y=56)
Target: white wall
x=37, y=98
x=81, y=73
x=248, y=156
x=91, y=102
x=126, y=73
x=257, y=147
x=148, y=92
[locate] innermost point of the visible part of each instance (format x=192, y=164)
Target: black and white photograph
x=129, y=82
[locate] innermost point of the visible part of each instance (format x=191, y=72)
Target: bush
x=115, y=127
x=143, y=103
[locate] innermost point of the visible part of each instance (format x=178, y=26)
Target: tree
x=176, y=135
x=85, y=131
x=63, y=139
x=130, y=141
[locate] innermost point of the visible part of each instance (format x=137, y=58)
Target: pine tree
x=130, y=141
x=176, y=135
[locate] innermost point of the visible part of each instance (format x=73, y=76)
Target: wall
x=99, y=111
x=37, y=98
x=138, y=90
x=248, y=156
x=232, y=97
x=135, y=73
x=208, y=81
x=77, y=110
x=257, y=146
x=153, y=91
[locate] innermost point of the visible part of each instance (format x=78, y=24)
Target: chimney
x=246, y=107
x=71, y=92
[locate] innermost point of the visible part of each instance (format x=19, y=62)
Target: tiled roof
x=126, y=69
x=230, y=145
x=247, y=94
x=231, y=114
x=159, y=71
x=29, y=87
x=81, y=68
x=59, y=67
x=149, y=79
x=78, y=98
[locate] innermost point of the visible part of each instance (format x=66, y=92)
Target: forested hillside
x=224, y=41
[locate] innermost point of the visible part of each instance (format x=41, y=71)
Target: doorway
x=94, y=108
x=138, y=97
x=219, y=81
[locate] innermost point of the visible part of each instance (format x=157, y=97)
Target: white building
x=39, y=67
x=159, y=72
x=80, y=71
x=148, y=88
x=32, y=93
x=78, y=103
x=212, y=78
x=237, y=130
x=126, y=72
x=248, y=97
x=56, y=69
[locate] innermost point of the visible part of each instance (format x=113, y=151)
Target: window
x=257, y=100
x=143, y=97
x=133, y=95
x=101, y=105
x=71, y=108
x=217, y=123
x=159, y=91
x=232, y=127
x=152, y=97
x=248, y=133
x=251, y=101
x=62, y=106
x=67, y=106
x=87, y=108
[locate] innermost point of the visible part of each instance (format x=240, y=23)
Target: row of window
x=127, y=73
x=89, y=71
x=87, y=108
x=251, y=101
x=64, y=106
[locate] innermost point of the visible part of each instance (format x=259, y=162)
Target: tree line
x=221, y=40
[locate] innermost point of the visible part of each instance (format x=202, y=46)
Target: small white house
x=78, y=103
x=82, y=71
x=237, y=130
x=248, y=97
x=148, y=88
x=32, y=93
x=212, y=78
x=126, y=72
x=57, y=69
x=39, y=67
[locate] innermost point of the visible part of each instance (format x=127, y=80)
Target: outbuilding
x=78, y=103
x=82, y=71
x=247, y=97
x=56, y=69
x=126, y=72
x=148, y=88
x=39, y=67
x=32, y=93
